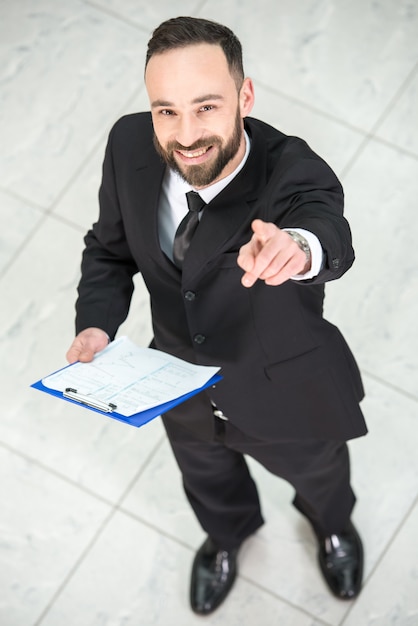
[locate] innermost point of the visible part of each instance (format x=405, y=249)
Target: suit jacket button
x=190, y=295
x=335, y=263
x=199, y=339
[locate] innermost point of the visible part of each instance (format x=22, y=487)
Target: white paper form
x=132, y=378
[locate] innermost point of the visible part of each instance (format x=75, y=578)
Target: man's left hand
x=270, y=255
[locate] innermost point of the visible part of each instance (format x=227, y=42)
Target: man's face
x=197, y=112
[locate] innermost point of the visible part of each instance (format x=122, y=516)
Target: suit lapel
x=148, y=176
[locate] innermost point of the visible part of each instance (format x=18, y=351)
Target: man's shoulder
x=274, y=139
x=134, y=123
x=267, y=130
x=283, y=150
x=132, y=140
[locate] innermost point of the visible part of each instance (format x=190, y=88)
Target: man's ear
x=246, y=97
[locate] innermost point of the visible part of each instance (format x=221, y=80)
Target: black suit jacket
x=288, y=373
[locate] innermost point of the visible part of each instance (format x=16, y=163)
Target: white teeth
x=193, y=155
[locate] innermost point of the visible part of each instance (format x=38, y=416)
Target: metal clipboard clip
x=72, y=394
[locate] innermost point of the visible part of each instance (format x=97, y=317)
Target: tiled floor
x=94, y=528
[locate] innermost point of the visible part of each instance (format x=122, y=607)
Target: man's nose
x=189, y=130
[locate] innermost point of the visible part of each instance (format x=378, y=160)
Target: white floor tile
x=332, y=140
x=376, y=303
x=390, y=597
x=69, y=68
x=18, y=219
x=165, y=508
x=394, y=128
x=135, y=576
x=46, y=524
x=146, y=14
x=79, y=203
x=346, y=59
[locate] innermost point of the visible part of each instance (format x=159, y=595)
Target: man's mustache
x=202, y=143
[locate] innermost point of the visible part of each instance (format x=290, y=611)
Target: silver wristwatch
x=302, y=243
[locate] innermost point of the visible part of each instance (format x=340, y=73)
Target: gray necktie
x=187, y=227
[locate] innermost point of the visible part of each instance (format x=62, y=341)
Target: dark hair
x=180, y=32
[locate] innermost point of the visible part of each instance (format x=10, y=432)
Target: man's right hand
x=86, y=344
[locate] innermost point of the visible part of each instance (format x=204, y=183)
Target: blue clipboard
x=138, y=419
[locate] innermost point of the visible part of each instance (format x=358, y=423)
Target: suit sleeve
x=107, y=268
x=314, y=200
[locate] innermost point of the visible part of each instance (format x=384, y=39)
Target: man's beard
x=203, y=175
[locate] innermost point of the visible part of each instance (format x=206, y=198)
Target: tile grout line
x=334, y=118
x=389, y=544
x=101, y=141
x=371, y=135
x=367, y=135
x=249, y=581
x=114, y=508
x=48, y=209
x=12, y=194
x=74, y=568
x=53, y=472
x=89, y=492
x=118, y=17
x=308, y=107
x=200, y=8
x=131, y=22
x=118, y=507
x=43, y=218
x=318, y=621
x=68, y=222
x=394, y=101
x=386, y=383
x=47, y=212
x=394, y=147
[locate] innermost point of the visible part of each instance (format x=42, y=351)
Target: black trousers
x=224, y=496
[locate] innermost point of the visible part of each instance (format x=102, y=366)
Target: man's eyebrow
x=161, y=103
x=205, y=98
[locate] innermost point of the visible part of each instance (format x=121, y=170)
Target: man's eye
x=207, y=107
x=166, y=112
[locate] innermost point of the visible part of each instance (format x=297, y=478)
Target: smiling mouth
x=195, y=154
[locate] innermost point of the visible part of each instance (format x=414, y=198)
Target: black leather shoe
x=341, y=562
x=213, y=574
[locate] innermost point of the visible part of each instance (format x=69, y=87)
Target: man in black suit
x=236, y=279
